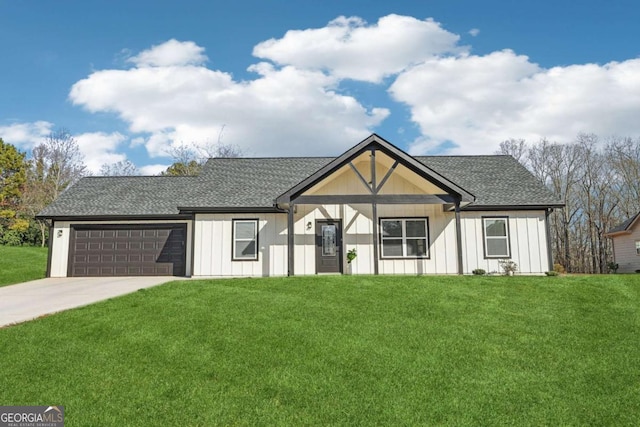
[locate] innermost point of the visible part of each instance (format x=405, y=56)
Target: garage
x=127, y=250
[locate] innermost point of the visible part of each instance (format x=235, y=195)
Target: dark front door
x=328, y=246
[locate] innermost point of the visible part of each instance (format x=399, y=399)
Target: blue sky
x=131, y=79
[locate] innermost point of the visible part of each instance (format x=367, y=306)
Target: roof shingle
x=256, y=182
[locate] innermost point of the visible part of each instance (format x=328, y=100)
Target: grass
x=22, y=263
x=339, y=351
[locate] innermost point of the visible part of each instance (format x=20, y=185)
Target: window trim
x=234, y=221
x=404, y=237
x=484, y=237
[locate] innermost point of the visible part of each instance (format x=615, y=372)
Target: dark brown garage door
x=127, y=250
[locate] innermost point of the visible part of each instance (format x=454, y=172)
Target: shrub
x=637, y=271
x=351, y=255
x=11, y=238
x=479, y=272
x=559, y=268
x=552, y=273
x=508, y=266
x=613, y=267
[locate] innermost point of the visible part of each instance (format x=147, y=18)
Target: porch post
x=374, y=211
x=290, y=240
x=374, y=205
x=459, y=236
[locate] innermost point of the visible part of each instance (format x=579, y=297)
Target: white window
x=404, y=238
x=245, y=239
x=637, y=247
x=496, y=237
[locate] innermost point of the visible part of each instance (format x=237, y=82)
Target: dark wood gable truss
x=455, y=194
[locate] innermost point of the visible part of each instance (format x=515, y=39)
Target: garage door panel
x=127, y=250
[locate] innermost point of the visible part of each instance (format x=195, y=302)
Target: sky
x=132, y=79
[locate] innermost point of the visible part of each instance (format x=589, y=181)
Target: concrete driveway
x=26, y=301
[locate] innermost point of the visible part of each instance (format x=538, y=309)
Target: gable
x=400, y=180
x=365, y=152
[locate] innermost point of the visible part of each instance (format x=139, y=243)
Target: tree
x=600, y=186
x=13, y=174
x=189, y=159
x=57, y=163
x=516, y=148
x=121, y=168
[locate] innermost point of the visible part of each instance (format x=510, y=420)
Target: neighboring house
x=286, y=216
x=626, y=244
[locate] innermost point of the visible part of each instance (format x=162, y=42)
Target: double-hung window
x=245, y=239
x=496, y=237
x=637, y=247
x=404, y=237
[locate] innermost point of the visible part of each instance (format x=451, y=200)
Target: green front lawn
x=339, y=351
x=22, y=263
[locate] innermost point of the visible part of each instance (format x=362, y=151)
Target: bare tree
x=516, y=148
x=58, y=161
x=188, y=159
x=121, y=168
x=56, y=164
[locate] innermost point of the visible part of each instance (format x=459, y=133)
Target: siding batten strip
x=458, y=236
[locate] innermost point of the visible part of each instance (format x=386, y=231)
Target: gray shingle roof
x=256, y=182
x=494, y=180
x=118, y=196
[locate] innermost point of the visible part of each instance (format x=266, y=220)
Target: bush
x=551, y=273
x=508, y=266
x=11, y=238
x=559, y=268
x=637, y=271
x=613, y=267
x=479, y=272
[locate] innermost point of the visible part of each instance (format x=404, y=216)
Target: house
x=299, y=216
x=626, y=244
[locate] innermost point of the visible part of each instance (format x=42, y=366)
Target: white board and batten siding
x=214, y=246
x=61, y=234
x=624, y=247
x=527, y=235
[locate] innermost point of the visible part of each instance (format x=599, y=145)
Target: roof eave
x=230, y=209
x=111, y=217
x=507, y=207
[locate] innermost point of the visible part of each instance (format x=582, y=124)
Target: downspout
x=50, y=249
x=547, y=230
x=193, y=244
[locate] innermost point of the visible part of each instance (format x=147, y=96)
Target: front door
x=328, y=246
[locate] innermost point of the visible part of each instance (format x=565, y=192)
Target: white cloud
x=294, y=104
x=99, y=148
x=349, y=48
x=474, y=32
x=172, y=52
x=25, y=136
x=152, y=169
x=478, y=101
x=284, y=111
